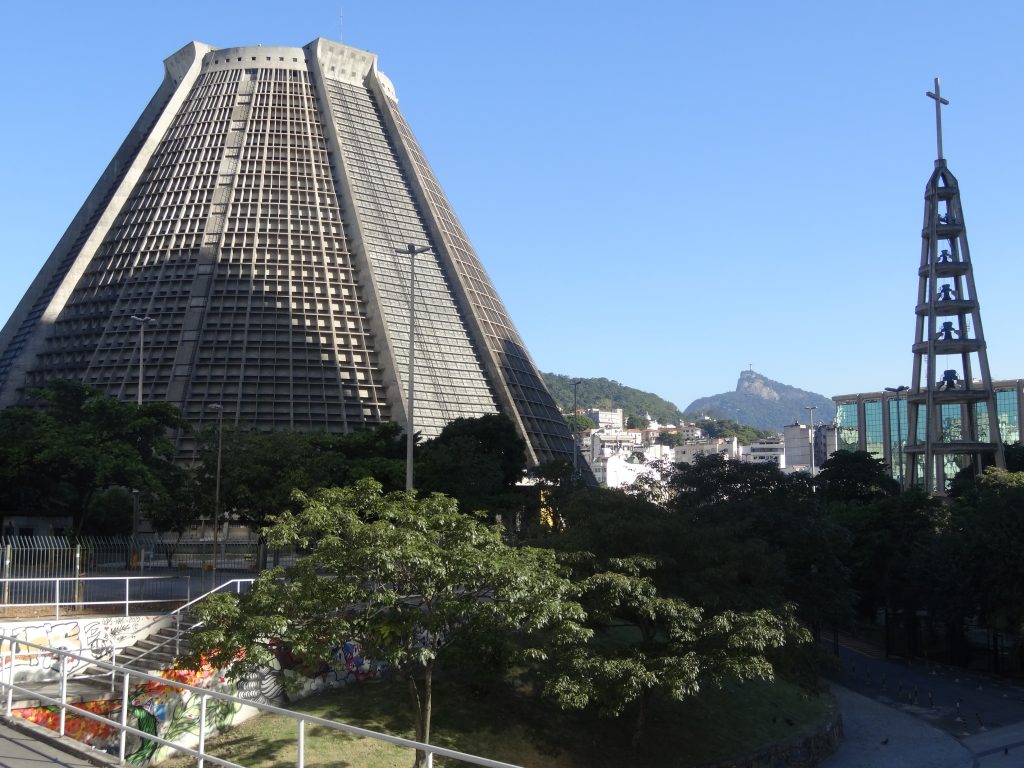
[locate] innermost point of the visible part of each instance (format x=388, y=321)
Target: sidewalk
x=19, y=749
x=878, y=736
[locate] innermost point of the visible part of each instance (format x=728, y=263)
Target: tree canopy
x=855, y=476
x=261, y=470
x=74, y=442
x=579, y=422
x=745, y=433
x=407, y=578
x=607, y=395
x=644, y=641
x=477, y=461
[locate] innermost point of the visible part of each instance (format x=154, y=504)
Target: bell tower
x=952, y=420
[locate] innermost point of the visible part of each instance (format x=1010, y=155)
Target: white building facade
x=770, y=450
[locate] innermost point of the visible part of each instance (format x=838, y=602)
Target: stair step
x=77, y=691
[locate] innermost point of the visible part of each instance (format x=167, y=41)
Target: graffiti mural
x=289, y=679
x=157, y=708
x=263, y=686
x=169, y=712
x=93, y=638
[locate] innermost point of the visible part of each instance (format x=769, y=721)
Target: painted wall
x=157, y=708
x=173, y=714
x=92, y=637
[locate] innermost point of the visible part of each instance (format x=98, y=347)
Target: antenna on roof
x=341, y=25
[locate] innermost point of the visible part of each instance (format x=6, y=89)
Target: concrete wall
x=94, y=637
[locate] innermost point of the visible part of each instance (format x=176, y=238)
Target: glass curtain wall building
x=861, y=426
x=254, y=230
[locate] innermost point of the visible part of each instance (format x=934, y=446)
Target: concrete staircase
x=159, y=650
x=151, y=655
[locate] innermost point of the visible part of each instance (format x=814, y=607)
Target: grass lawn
x=504, y=726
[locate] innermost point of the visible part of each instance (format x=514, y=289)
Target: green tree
x=77, y=443
x=1015, y=457
x=607, y=395
x=637, y=422
x=990, y=526
x=671, y=438
x=609, y=523
x=176, y=511
x=891, y=539
x=644, y=642
x=730, y=428
x=749, y=536
x=408, y=579
x=261, y=470
x=855, y=476
x=477, y=461
x=714, y=479
x=580, y=422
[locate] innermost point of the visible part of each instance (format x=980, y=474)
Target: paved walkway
x=19, y=749
x=898, y=713
x=878, y=736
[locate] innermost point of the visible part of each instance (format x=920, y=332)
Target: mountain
x=607, y=394
x=763, y=403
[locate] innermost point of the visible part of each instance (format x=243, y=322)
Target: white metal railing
x=69, y=591
x=177, y=613
x=12, y=647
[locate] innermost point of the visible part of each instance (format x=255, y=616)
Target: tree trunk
x=428, y=701
x=641, y=719
x=888, y=641
x=422, y=713
x=79, y=515
x=418, y=713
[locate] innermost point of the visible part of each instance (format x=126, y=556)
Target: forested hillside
x=608, y=394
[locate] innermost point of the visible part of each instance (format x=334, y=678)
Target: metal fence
x=52, y=556
x=13, y=648
x=120, y=594
x=33, y=567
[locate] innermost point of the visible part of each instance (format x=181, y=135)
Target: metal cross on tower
x=952, y=421
x=939, y=102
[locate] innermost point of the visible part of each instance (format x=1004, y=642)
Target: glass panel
x=951, y=423
x=847, y=431
x=898, y=427
x=873, y=428
x=981, y=419
x=1007, y=413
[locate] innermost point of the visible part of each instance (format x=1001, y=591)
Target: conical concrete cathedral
x=249, y=247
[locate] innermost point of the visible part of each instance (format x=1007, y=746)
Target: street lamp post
x=575, y=435
x=810, y=410
x=216, y=487
x=412, y=250
x=899, y=424
x=136, y=508
x=142, y=347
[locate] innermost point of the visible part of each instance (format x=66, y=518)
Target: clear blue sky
x=663, y=193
